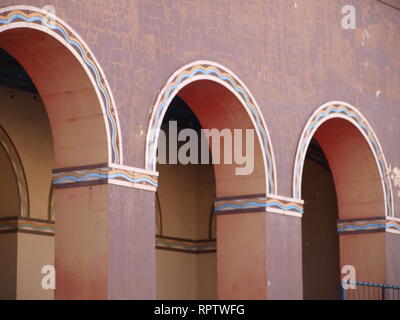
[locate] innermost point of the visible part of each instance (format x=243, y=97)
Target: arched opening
x=320, y=241
x=27, y=158
x=58, y=113
x=343, y=181
x=185, y=241
x=187, y=192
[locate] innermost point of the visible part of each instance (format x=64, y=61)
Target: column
x=104, y=243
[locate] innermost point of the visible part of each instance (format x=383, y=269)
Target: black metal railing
x=371, y=291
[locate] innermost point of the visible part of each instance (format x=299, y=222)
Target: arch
x=345, y=111
x=40, y=22
x=7, y=145
x=207, y=70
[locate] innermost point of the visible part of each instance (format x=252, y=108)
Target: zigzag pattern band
x=363, y=125
x=104, y=174
x=369, y=225
x=232, y=83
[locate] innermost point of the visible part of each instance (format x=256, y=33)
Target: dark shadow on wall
x=320, y=241
x=184, y=209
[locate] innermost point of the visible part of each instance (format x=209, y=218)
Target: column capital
x=369, y=225
x=27, y=225
x=105, y=174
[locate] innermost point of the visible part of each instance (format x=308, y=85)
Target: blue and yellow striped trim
x=369, y=225
x=27, y=225
x=103, y=174
x=243, y=204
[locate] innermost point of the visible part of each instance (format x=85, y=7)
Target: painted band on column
x=27, y=225
x=186, y=245
x=105, y=174
x=378, y=224
x=258, y=203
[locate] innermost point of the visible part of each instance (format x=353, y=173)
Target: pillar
x=258, y=247
x=104, y=243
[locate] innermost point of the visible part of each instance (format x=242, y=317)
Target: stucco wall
x=293, y=55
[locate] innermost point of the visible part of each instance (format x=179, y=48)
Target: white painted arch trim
x=156, y=121
x=307, y=135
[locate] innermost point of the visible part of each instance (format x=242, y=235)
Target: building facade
x=87, y=89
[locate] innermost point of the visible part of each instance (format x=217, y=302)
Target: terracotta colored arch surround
x=235, y=98
x=352, y=141
x=246, y=207
x=364, y=192
x=71, y=84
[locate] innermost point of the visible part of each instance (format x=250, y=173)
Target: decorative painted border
x=206, y=70
x=105, y=174
x=35, y=18
x=343, y=110
x=12, y=154
x=258, y=203
x=284, y=205
x=185, y=245
x=391, y=225
x=27, y=225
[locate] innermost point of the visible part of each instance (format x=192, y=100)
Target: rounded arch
x=20, y=28
x=7, y=145
x=344, y=111
x=207, y=70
